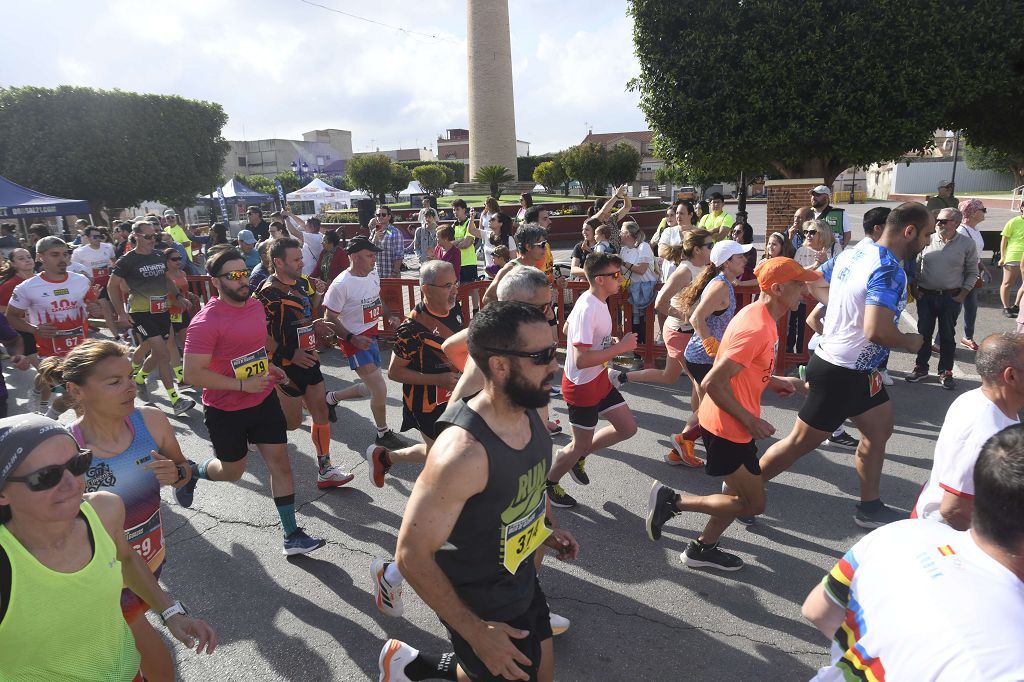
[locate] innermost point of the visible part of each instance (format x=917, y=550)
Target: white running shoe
x=183, y=405
x=388, y=598
x=559, y=624
x=333, y=477
x=886, y=379
x=392, y=660
x=615, y=376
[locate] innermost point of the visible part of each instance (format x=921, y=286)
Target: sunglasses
x=544, y=307
x=614, y=275
x=810, y=232
x=382, y=215
x=540, y=357
x=175, y=259
x=235, y=275
x=49, y=477
x=943, y=221
x=539, y=245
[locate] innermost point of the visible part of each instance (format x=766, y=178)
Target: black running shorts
x=151, y=325
x=301, y=378
x=838, y=393
x=726, y=456
x=232, y=431
x=587, y=417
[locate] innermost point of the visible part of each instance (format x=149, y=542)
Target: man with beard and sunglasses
x=482, y=496
x=226, y=356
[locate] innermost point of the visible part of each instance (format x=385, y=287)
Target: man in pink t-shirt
x=226, y=356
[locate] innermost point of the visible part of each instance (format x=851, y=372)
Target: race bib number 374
x=523, y=536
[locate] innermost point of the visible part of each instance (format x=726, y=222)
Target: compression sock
x=179, y=373
x=172, y=393
x=432, y=667
x=136, y=368
x=393, y=575
x=200, y=469
x=286, y=510
x=140, y=376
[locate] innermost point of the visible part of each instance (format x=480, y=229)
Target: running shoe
x=388, y=598
x=390, y=440
x=332, y=477
x=379, y=464
x=969, y=344
x=682, y=453
x=185, y=493
x=746, y=520
x=844, y=439
x=886, y=379
x=300, y=543
x=332, y=412
x=699, y=555
x=559, y=498
x=559, y=624
x=579, y=471
x=617, y=376
x=947, y=381
x=877, y=518
x=692, y=433
x=661, y=506
x=555, y=390
x=1008, y=312
x=918, y=374
x=392, y=661
x=1015, y=310
x=183, y=405
x=936, y=349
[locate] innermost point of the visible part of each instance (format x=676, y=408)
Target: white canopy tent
x=323, y=196
x=413, y=188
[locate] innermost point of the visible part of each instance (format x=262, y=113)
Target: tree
x=493, y=176
x=116, y=149
x=434, y=179
x=783, y=85
x=551, y=175
x=587, y=163
x=623, y=164
x=400, y=179
x=259, y=183
x=988, y=158
x=289, y=181
x=372, y=174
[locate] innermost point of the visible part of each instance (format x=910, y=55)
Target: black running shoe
x=332, y=412
x=579, y=471
x=185, y=493
x=844, y=439
x=661, y=506
x=558, y=496
x=699, y=555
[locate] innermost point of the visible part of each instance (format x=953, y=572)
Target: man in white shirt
x=310, y=238
x=97, y=257
x=922, y=601
x=972, y=419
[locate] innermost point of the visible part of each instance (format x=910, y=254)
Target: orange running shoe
x=682, y=453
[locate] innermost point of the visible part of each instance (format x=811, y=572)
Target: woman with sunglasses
x=65, y=559
x=819, y=244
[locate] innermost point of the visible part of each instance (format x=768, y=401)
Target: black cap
x=254, y=209
x=361, y=243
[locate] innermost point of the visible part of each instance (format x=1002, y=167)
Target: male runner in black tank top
x=477, y=514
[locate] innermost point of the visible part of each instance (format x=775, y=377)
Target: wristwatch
x=174, y=609
x=181, y=472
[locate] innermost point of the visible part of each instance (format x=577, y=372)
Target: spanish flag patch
x=946, y=550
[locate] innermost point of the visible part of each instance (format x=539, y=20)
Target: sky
x=282, y=67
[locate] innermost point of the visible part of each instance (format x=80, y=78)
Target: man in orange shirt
x=730, y=415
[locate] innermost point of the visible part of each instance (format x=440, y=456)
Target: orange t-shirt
x=751, y=340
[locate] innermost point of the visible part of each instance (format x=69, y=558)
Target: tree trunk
x=821, y=167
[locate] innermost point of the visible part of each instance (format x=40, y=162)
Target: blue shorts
x=370, y=356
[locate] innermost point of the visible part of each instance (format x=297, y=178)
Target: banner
x=280, y=193
x=223, y=206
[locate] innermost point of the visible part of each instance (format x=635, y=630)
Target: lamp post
x=853, y=186
x=301, y=171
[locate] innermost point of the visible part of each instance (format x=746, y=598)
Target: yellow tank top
x=66, y=626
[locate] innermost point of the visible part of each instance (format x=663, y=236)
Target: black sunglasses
x=540, y=357
x=175, y=259
x=943, y=221
x=49, y=477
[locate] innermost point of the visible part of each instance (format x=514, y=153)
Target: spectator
x=603, y=235
x=1011, y=251
x=446, y=249
x=743, y=233
x=257, y=225
x=606, y=214
x=261, y=271
x=218, y=234
x=945, y=198
x=388, y=239
x=778, y=244
x=178, y=233
x=424, y=240
x=819, y=245
x=500, y=258
x=525, y=202
x=333, y=259
x=717, y=221
x=36, y=232
x=247, y=246
x=500, y=231
x=583, y=249
x=308, y=234
x=796, y=229
x=836, y=218
x=702, y=210
x=8, y=239
x=466, y=234
x=638, y=269
x=491, y=209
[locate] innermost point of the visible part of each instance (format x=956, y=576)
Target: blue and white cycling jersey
x=868, y=274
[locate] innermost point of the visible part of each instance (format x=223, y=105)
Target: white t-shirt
x=312, y=247
x=485, y=237
x=590, y=328
x=971, y=420
x=923, y=602
x=868, y=274
x=973, y=234
x=634, y=255
x=670, y=236
x=667, y=268
x=356, y=300
x=61, y=304
x=96, y=261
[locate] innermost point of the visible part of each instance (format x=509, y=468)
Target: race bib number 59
x=251, y=365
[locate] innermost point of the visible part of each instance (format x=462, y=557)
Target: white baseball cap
x=726, y=249
x=821, y=189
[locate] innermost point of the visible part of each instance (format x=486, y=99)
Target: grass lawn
x=505, y=200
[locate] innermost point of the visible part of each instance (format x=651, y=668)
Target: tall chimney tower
x=492, y=116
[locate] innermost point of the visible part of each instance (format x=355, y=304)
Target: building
x=423, y=154
x=639, y=140
x=325, y=151
x=455, y=147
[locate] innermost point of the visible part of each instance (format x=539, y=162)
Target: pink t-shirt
x=236, y=339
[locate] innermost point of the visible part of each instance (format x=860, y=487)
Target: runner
x=97, y=257
x=52, y=307
x=226, y=356
x=585, y=384
x=292, y=338
x=921, y=601
x=697, y=248
x=354, y=308
x=19, y=268
x=142, y=275
x=730, y=415
x=482, y=494
x=49, y=624
x=860, y=328
x=134, y=453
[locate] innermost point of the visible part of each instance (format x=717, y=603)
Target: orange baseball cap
x=780, y=269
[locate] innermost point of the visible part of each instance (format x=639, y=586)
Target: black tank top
x=489, y=555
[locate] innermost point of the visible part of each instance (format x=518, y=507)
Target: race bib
x=101, y=272
x=371, y=311
x=251, y=365
x=176, y=317
x=66, y=339
x=443, y=395
x=523, y=536
x=307, y=337
x=874, y=383
x=158, y=304
x=147, y=538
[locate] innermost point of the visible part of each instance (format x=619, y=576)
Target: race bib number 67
x=251, y=365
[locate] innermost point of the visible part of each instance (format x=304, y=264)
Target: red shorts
x=675, y=342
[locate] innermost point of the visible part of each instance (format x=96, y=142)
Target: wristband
x=175, y=609
x=710, y=345
x=348, y=337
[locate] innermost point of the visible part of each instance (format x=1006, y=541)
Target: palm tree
x=493, y=176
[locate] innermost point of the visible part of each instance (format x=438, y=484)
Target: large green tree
x=587, y=163
x=116, y=149
x=811, y=88
x=989, y=158
x=551, y=175
x=623, y=164
x=433, y=178
x=370, y=173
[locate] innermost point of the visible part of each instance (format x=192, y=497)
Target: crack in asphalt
x=672, y=626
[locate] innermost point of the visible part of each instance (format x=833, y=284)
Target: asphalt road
x=636, y=611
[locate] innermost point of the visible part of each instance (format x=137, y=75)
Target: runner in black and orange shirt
x=292, y=341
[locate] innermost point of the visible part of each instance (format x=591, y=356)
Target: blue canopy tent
x=236, y=193
x=21, y=202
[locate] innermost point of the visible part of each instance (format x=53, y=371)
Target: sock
x=393, y=575
x=136, y=368
x=200, y=469
x=179, y=373
x=431, y=667
x=322, y=443
x=172, y=393
x=286, y=510
x=838, y=432
x=140, y=376
x=331, y=400
x=871, y=506
x=381, y=431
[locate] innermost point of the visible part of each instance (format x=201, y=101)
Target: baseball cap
x=169, y=212
x=254, y=209
x=362, y=243
x=947, y=183
x=780, y=270
x=821, y=189
x=726, y=249
x=247, y=236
